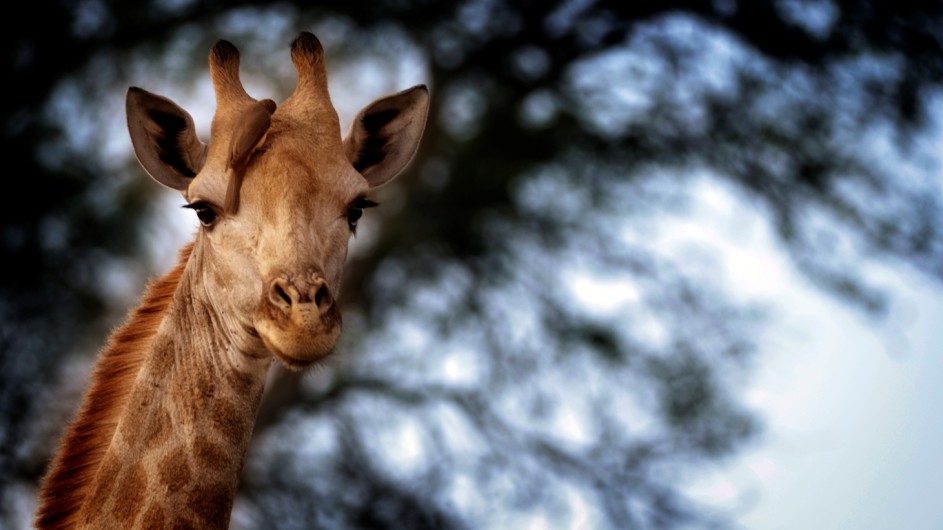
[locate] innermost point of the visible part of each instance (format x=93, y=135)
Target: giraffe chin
x=298, y=347
x=299, y=358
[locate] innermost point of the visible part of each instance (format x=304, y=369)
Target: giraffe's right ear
x=164, y=139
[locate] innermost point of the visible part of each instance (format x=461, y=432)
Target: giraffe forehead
x=303, y=173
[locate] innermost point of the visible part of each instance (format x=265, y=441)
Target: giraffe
x=161, y=435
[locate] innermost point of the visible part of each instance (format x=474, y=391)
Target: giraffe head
x=278, y=192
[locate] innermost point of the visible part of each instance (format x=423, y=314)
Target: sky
x=850, y=403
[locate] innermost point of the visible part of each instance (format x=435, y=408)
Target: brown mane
x=87, y=438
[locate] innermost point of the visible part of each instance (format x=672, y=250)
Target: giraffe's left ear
x=385, y=135
x=164, y=139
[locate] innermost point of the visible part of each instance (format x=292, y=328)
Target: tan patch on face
x=129, y=494
x=174, y=470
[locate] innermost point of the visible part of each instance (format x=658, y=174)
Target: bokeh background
x=656, y=265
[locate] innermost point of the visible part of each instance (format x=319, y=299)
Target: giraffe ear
x=385, y=135
x=164, y=139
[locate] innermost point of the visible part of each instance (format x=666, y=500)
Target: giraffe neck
x=178, y=447
x=178, y=444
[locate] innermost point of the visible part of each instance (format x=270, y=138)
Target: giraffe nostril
x=323, y=298
x=282, y=294
x=288, y=296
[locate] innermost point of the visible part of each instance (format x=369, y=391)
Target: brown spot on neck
x=174, y=470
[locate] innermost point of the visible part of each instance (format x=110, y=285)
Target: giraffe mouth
x=301, y=338
x=297, y=365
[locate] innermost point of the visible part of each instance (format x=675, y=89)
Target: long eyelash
x=197, y=204
x=363, y=203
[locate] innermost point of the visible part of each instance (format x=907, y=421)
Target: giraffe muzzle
x=298, y=319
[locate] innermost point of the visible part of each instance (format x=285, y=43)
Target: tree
x=559, y=132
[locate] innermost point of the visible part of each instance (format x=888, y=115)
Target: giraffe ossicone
x=162, y=432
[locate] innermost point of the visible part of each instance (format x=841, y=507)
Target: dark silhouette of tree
x=557, y=128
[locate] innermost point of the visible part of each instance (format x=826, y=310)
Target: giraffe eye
x=354, y=215
x=204, y=212
x=355, y=212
